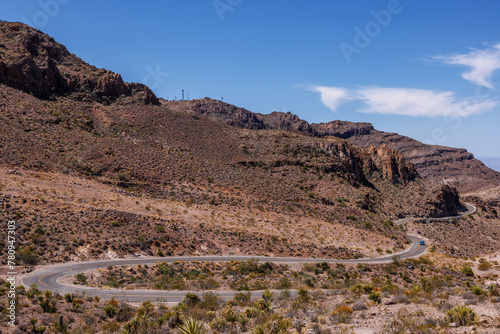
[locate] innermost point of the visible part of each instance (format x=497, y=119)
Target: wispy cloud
x=331, y=97
x=404, y=101
x=482, y=63
x=419, y=102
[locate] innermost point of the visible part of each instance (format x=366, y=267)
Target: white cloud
x=404, y=101
x=331, y=97
x=419, y=102
x=482, y=63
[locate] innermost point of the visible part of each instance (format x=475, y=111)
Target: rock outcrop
x=447, y=202
x=394, y=166
x=111, y=84
x=35, y=63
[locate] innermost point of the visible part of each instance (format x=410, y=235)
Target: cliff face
x=447, y=202
x=33, y=62
x=394, y=166
x=438, y=164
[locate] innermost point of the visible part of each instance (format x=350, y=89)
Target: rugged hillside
x=264, y=191
x=34, y=63
x=436, y=163
x=257, y=184
x=454, y=166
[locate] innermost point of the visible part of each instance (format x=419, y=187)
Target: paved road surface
x=48, y=278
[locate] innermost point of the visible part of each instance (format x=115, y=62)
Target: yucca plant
x=462, y=315
x=260, y=329
x=191, y=326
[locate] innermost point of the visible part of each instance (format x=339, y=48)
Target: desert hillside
x=92, y=125
x=437, y=164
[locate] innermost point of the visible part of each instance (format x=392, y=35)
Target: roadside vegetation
x=319, y=298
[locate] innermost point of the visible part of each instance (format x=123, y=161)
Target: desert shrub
x=484, y=266
x=170, y=283
x=112, y=282
x=467, y=271
x=210, y=301
x=69, y=297
x=364, y=267
x=493, y=291
x=239, y=285
x=303, y=295
x=218, y=325
x=110, y=310
x=35, y=329
x=165, y=270
x=477, y=290
x=124, y=313
x=284, y=283
x=461, y=315
x=406, y=322
x=342, y=314
x=359, y=306
x=208, y=283
x=33, y=291
x=268, y=296
x=309, y=282
x=284, y=295
x=77, y=305
x=396, y=260
x=191, y=299
x=123, y=177
x=400, y=299
x=27, y=255
x=375, y=296
x=81, y=278
x=263, y=305
x=359, y=288
x=243, y=322
x=424, y=260
x=427, y=285
x=159, y=228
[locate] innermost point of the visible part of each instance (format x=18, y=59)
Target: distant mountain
x=438, y=164
x=491, y=162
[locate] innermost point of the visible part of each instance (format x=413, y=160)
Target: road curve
x=48, y=278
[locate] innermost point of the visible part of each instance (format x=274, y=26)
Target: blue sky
x=426, y=69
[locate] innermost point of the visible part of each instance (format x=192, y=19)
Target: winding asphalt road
x=49, y=278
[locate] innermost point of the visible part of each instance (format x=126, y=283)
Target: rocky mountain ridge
x=36, y=64
x=439, y=164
